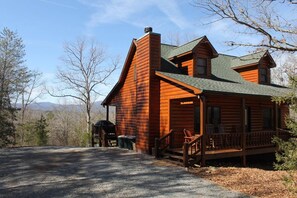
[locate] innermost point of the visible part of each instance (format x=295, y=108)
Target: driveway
x=96, y=172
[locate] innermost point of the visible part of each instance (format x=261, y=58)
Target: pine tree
x=11, y=63
x=41, y=131
x=286, y=156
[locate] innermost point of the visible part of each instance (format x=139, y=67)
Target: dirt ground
x=258, y=179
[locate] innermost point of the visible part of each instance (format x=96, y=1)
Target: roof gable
x=174, y=51
x=251, y=59
x=123, y=75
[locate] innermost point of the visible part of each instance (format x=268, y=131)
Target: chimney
x=148, y=30
x=148, y=60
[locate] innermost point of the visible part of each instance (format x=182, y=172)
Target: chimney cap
x=148, y=29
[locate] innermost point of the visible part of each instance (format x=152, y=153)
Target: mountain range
x=49, y=106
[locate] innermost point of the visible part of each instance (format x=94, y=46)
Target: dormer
x=254, y=67
x=194, y=58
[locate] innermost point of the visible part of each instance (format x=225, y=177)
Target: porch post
x=275, y=116
x=202, y=114
x=202, y=127
x=107, y=112
x=243, y=137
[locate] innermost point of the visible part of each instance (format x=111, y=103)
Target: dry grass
x=252, y=181
x=259, y=179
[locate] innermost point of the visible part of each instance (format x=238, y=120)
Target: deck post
x=93, y=131
x=276, y=117
x=243, y=137
x=202, y=114
x=203, y=148
x=186, y=154
x=107, y=112
x=202, y=128
x=157, y=142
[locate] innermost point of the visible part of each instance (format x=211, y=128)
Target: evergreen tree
x=41, y=131
x=286, y=156
x=11, y=63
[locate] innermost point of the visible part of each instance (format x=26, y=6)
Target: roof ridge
x=191, y=41
x=263, y=51
x=169, y=44
x=228, y=55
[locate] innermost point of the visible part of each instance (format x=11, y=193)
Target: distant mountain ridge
x=49, y=106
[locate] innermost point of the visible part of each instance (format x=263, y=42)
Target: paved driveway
x=96, y=172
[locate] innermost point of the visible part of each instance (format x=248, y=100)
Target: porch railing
x=191, y=149
x=163, y=143
x=221, y=141
x=260, y=139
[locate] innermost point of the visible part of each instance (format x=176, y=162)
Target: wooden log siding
x=154, y=89
x=125, y=102
x=187, y=64
x=250, y=74
x=230, y=110
x=168, y=91
x=181, y=117
x=142, y=93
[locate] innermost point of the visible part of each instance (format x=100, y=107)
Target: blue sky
x=45, y=25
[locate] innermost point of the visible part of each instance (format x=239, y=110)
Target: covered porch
x=221, y=127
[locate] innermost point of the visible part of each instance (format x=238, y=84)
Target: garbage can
x=121, y=141
x=130, y=142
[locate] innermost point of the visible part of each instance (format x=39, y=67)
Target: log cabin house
x=191, y=97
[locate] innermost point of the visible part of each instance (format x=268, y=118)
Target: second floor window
x=201, y=66
x=263, y=75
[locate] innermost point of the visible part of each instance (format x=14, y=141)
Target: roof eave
x=194, y=89
x=245, y=66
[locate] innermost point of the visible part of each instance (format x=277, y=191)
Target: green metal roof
x=247, y=59
x=183, y=48
x=224, y=78
x=166, y=50
x=225, y=86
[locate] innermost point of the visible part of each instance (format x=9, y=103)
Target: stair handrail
x=164, y=142
x=192, y=148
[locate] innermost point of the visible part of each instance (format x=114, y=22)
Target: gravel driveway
x=96, y=172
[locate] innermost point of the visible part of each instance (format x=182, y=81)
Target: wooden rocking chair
x=188, y=135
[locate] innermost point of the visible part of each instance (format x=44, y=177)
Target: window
x=247, y=112
x=263, y=75
x=267, y=118
x=197, y=120
x=214, y=117
x=201, y=66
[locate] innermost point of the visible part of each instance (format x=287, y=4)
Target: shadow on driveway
x=96, y=172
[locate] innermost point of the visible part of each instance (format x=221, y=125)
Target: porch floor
x=226, y=153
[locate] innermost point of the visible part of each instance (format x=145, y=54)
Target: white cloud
x=135, y=12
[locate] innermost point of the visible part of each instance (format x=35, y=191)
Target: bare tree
x=29, y=90
x=84, y=70
x=287, y=68
x=263, y=19
x=178, y=39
